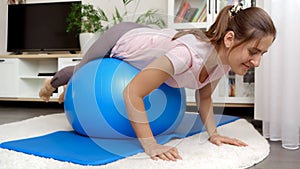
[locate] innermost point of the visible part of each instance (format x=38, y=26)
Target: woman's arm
x=205, y=108
x=141, y=85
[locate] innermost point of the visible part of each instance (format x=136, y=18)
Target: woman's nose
x=255, y=61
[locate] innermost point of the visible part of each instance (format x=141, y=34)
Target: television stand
x=23, y=75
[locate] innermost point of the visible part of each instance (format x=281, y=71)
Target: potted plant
x=86, y=21
x=89, y=22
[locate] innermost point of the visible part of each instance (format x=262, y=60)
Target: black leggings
x=100, y=48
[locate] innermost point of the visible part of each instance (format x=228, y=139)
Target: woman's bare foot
x=47, y=90
x=61, y=97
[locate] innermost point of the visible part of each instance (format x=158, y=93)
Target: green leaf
x=119, y=18
x=150, y=17
x=126, y=2
x=102, y=15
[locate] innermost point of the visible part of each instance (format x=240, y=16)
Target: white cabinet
x=9, y=86
x=22, y=76
x=235, y=89
x=232, y=90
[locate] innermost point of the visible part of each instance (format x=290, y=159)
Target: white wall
x=260, y=3
x=142, y=6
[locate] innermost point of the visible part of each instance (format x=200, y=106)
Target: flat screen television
x=40, y=27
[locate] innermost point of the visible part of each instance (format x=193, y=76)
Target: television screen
x=40, y=27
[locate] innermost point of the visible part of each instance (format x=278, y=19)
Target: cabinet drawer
x=63, y=62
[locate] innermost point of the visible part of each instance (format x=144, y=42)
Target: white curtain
x=277, y=91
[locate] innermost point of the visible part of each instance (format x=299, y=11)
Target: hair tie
x=236, y=8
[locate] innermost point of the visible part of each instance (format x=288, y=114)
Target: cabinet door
x=64, y=62
x=9, y=77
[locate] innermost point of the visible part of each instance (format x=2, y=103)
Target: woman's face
x=248, y=55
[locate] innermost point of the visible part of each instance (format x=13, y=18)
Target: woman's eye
x=252, y=52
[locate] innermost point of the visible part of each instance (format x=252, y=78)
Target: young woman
x=194, y=59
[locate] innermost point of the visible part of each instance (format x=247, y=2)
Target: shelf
x=188, y=103
x=202, y=7
x=27, y=99
x=34, y=77
x=225, y=104
x=41, y=56
x=236, y=100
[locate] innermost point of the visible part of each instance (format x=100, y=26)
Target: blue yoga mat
x=69, y=146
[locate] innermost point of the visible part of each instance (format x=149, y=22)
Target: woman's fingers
x=163, y=157
x=176, y=153
x=234, y=141
x=173, y=154
x=238, y=142
x=154, y=158
x=170, y=155
x=219, y=140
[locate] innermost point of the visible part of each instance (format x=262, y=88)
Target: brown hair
x=248, y=24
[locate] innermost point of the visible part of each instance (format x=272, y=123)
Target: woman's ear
x=229, y=39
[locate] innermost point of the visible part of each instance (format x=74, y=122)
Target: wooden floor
x=279, y=158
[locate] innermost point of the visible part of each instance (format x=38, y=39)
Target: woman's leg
x=59, y=79
x=99, y=49
x=107, y=41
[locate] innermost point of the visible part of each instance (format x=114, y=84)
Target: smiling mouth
x=246, y=66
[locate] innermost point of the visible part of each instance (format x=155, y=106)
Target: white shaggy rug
x=196, y=151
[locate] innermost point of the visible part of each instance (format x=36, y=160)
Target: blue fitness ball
x=95, y=107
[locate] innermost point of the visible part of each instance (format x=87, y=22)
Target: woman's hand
x=219, y=140
x=157, y=151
